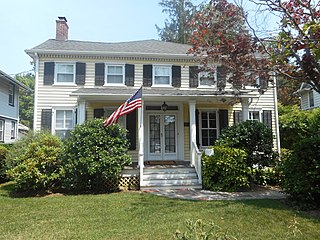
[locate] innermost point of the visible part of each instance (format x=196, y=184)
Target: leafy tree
x=220, y=36
x=286, y=91
x=26, y=100
x=295, y=51
x=176, y=28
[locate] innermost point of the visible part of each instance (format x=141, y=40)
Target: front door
x=162, y=136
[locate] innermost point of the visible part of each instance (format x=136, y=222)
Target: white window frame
x=200, y=124
x=205, y=74
x=311, y=99
x=11, y=94
x=121, y=120
x=56, y=66
x=13, y=130
x=106, y=74
x=154, y=84
x=2, y=130
x=55, y=129
x=251, y=115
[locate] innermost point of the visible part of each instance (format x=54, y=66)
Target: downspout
x=276, y=113
x=36, y=58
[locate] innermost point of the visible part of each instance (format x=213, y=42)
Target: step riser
x=156, y=171
x=170, y=176
x=171, y=187
x=170, y=182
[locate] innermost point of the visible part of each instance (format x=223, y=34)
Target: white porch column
x=141, y=143
x=245, y=108
x=81, y=114
x=193, y=130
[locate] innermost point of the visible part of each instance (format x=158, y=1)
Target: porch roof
x=153, y=93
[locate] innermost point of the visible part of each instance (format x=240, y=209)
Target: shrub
x=225, y=170
x=93, y=155
x=254, y=138
x=3, y=154
x=301, y=171
x=33, y=162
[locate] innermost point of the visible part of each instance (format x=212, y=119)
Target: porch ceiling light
x=164, y=106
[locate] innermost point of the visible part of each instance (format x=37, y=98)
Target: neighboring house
x=183, y=110
x=309, y=98
x=9, y=107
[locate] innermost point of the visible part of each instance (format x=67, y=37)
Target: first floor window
x=208, y=128
x=115, y=74
x=65, y=73
x=254, y=115
x=162, y=75
x=64, y=123
x=13, y=129
x=1, y=130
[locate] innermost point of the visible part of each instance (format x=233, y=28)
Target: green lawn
x=135, y=215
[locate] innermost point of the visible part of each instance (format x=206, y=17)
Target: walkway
x=204, y=195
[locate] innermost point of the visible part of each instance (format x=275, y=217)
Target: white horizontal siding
x=6, y=109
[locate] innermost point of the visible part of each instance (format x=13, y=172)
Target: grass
x=135, y=215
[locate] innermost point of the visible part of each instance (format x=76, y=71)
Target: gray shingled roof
x=3, y=75
x=148, y=47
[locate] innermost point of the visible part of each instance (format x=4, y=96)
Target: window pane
x=65, y=68
x=114, y=79
x=162, y=80
x=162, y=71
x=64, y=77
x=63, y=134
x=115, y=70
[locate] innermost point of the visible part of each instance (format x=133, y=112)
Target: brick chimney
x=62, y=29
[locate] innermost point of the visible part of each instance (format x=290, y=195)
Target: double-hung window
x=162, y=75
x=254, y=115
x=1, y=130
x=208, y=128
x=207, y=79
x=64, y=123
x=115, y=74
x=11, y=95
x=13, y=129
x=65, y=73
x=311, y=99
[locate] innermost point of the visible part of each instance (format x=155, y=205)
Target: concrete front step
x=170, y=187
x=162, y=176
x=168, y=170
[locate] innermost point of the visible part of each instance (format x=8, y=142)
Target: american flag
x=135, y=101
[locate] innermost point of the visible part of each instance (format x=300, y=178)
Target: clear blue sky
x=27, y=23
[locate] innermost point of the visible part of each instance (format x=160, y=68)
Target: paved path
x=193, y=194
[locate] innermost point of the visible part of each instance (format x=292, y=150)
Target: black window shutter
x=197, y=128
x=176, y=76
x=48, y=73
x=46, y=119
x=131, y=127
x=99, y=74
x=80, y=73
x=193, y=76
x=129, y=75
x=98, y=112
x=221, y=77
x=223, y=119
x=76, y=115
x=237, y=117
x=263, y=83
x=267, y=118
x=147, y=75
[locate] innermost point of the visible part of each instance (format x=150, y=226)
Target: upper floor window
x=64, y=123
x=1, y=130
x=13, y=129
x=65, y=73
x=311, y=99
x=162, y=75
x=207, y=79
x=11, y=94
x=115, y=74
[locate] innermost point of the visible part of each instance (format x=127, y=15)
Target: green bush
x=3, y=154
x=225, y=170
x=33, y=162
x=255, y=139
x=93, y=155
x=301, y=169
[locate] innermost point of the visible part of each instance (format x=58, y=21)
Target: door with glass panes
x=162, y=136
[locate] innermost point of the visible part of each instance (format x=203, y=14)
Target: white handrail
x=196, y=160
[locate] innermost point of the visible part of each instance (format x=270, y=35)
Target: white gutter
x=36, y=59
x=276, y=114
